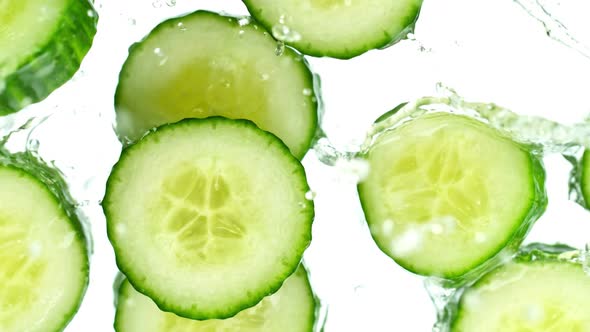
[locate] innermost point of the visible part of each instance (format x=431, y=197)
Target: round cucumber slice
x=43, y=257
x=446, y=193
x=42, y=43
x=291, y=309
x=213, y=65
x=336, y=28
x=208, y=216
x=542, y=294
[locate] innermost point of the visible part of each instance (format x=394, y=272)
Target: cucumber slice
x=446, y=193
x=541, y=294
x=336, y=28
x=291, y=309
x=208, y=216
x=213, y=65
x=42, y=43
x=43, y=257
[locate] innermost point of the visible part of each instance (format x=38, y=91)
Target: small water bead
x=170, y=3
x=280, y=48
x=264, y=76
x=284, y=33
x=181, y=26
x=90, y=13
x=307, y=92
x=157, y=4
x=243, y=21
x=33, y=145
x=310, y=195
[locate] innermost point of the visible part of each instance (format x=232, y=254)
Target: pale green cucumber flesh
x=446, y=193
x=336, y=28
x=43, y=257
x=212, y=65
x=548, y=296
x=41, y=47
x=290, y=309
x=208, y=216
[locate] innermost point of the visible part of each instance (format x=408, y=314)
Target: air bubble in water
x=280, y=48
x=243, y=21
x=284, y=33
x=33, y=145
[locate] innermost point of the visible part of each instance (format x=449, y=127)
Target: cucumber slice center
x=201, y=216
x=212, y=80
x=20, y=270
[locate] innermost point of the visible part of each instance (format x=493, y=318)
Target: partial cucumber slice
x=42, y=43
x=446, y=193
x=336, y=28
x=43, y=257
x=208, y=216
x=207, y=64
x=539, y=293
x=291, y=309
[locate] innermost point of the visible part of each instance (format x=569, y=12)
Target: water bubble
x=284, y=33
x=408, y=242
x=241, y=32
x=157, y=4
x=181, y=26
x=158, y=51
x=170, y=3
x=307, y=92
x=90, y=13
x=33, y=145
x=243, y=21
x=310, y=195
x=280, y=48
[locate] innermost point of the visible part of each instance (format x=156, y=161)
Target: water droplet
x=307, y=92
x=158, y=51
x=243, y=21
x=171, y=3
x=264, y=76
x=282, y=19
x=241, y=32
x=90, y=13
x=33, y=145
x=284, y=33
x=310, y=195
x=280, y=48
x=407, y=242
x=302, y=205
x=132, y=21
x=157, y=4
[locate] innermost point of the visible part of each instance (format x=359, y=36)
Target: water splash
x=280, y=49
x=286, y=34
x=559, y=22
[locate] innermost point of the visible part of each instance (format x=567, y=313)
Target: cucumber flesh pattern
x=240, y=78
x=547, y=296
x=36, y=246
x=208, y=209
x=432, y=189
x=53, y=63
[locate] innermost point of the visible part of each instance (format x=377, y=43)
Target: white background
x=488, y=50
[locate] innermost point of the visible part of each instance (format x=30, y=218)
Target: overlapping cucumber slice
x=204, y=64
x=336, y=28
x=538, y=291
x=291, y=309
x=43, y=256
x=208, y=216
x=42, y=43
x=446, y=193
